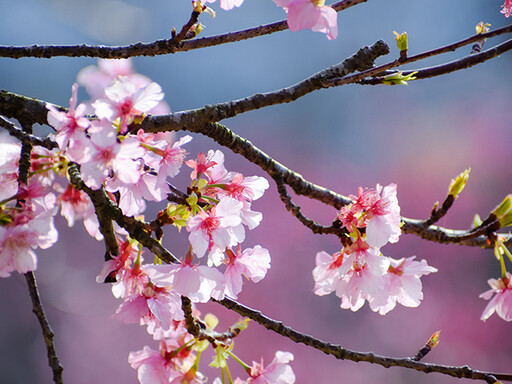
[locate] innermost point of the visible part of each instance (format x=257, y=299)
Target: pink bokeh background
x=419, y=137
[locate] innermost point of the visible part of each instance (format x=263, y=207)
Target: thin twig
x=48, y=334
x=296, y=211
x=425, y=73
x=26, y=137
x=159, y=47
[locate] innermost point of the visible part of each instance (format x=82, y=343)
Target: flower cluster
x=506, y=8
x=359, y=272
x=135, y=167
x=26, y=211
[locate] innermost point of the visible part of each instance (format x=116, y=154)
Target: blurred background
x=418, y=136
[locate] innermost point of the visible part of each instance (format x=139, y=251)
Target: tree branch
x=26, y=137
x=443, y=69
x=276, y=326
x=296, y=211
x=341, y=353
x=107, y=208
x=159, y=47
x=227, y=138
x=37, y=307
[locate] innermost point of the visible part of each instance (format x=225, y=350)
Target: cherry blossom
x=70, y=127
x=166, y=159
x=108, y=155
x=96, y=78
x=377, y=211
x=310, y=14
x=355, y=275
x=402, y=284
x=507, y=8
x=383, y=218
x=245, y=188
x=200, y=166
x=163, y=366
x=220, y=228
x=75, y=204
x=30, y=228
x=500, y=295
x=10, y=150
x=361, y=278
x=153, y=304
x=198, y=283
x=253, y=263
x=227, y=4
x=277, y=372
x=125, y=101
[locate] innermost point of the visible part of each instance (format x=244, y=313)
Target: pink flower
x=166, y=159
x=383, y=218
x=326, y=272
x=70, y=126
x=153, y=304
x=107, y=154
x=171, y=364
x=31, y=228
x=377, y=210
x=198, y=283
x=361, y=278
x=227, y=4
x=245, y=188
x=310, y=14
x=125, y=101
x=277, y=372
x=200, y=166
x=96, y=78
x=253, y=263
x=402, y=284
x=507, y=8
x=501, y=303
x=220, y=228
x=74, y=203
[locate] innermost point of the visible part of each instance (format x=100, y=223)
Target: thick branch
x=159, y=47
x=360, y=61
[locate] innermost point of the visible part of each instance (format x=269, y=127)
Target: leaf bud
x=458, y=184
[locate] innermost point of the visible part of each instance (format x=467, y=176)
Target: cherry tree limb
x=277, y=326
x=136, y=230
x=296, y=211
x=341, y=353
x=159, y=47
x=26, y=137
x=443, y=69
x=37, y=306
x=227, y=138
